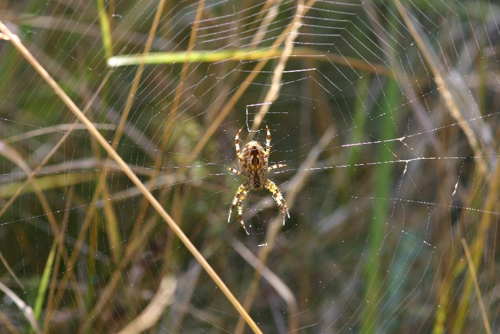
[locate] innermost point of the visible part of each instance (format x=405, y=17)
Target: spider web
x=384, y=114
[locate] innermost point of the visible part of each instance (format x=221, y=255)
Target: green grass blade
x=44, y=282
x=192, y=57
x=105, y=29
x=381, y=208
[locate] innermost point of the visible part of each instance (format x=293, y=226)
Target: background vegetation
x=386, y=113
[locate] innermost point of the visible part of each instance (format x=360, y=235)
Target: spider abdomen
x=254, y=164
x=253, y=158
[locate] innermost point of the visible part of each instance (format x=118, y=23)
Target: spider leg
x=268, y=141
x=270, y=168
x=235, y=200
x=240, y=209
x=238, y=198
x=237, y=145
x=278, y=198
x=234, y=171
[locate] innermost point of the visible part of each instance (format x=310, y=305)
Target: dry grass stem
x=271, y=10
x=171, y=118
x=31, y=175
x=60, y=23
x=138, y=76
x=183, y=296
x=23, y=307
x=294, y=187
x=55, y=128
x=114, y=155
x=80, y=88
x=12, y=155
x=119, y=123
x=169, y=58
x=214, y=125
x=479, y=297
x=281, y=288
x=274, y=90
x=50, y=303
x=159, y=182
x=152, y=313
x=4, y=320
x=11, y=272
x=444, y=88
x=101, y=184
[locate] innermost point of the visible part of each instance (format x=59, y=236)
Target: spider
x=253, y=163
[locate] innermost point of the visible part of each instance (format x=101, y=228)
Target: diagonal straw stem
x=126, y=169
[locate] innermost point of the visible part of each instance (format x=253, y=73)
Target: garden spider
x=253, y=163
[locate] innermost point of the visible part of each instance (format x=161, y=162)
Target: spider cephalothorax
x=253, y=162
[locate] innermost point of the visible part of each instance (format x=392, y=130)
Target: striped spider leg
x=278, y=198
x=237, y=145
x=268, y=151
x=270, y=168
x=268, y=142
x=234, y=171
x=240, y=195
